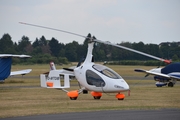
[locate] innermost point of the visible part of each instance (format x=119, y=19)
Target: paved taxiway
x=163, y=114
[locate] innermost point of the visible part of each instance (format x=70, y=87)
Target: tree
x=175, y=58
x=71, y=51
x=35, y=43
x=23, y=43
x=54, y=47
x=61, y=50
x=6, y=44
x=42, y=41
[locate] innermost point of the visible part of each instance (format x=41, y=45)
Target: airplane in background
x=5, y=66
x=167, y=75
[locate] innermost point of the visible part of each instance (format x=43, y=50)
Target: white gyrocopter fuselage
x=92, y=77
x=99, y=78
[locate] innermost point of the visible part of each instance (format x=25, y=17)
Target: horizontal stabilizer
x=21, y=72
x=53, y=80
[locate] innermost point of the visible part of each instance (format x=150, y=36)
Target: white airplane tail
x=53, y=80
x=52, y=66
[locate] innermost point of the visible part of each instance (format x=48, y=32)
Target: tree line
x=43, y=51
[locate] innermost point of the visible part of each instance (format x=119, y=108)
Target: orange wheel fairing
x=96, y=94
x=73, y=94
x=120, y=96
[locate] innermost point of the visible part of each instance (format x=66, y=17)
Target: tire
x=73, y=98
x=170, y=84
x=97, y=97
x=120, y=99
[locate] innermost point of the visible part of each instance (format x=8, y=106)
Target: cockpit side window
x=94, y=79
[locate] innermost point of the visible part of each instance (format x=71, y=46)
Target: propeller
x=81, y=60
x=146, y=75
x=93, y=39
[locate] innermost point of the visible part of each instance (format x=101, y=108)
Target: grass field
x=23, y=96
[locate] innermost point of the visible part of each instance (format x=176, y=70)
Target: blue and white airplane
x=5, y=66
x=164, y=76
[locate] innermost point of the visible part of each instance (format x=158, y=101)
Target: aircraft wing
x=158, y=74
x=12, y=55
x=20, y=72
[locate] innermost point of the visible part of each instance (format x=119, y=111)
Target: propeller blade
x=68, y=69
x=81, y=60
x=146, y=75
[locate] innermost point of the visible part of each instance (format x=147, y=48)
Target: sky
x=116, y=21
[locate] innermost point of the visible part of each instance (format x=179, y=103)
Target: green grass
x=23, y=101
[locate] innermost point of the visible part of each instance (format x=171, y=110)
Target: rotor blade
x=132, y=50
x=53, y=29
x=100, y=41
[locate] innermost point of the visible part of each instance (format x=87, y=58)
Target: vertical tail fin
x=52, y=66
x=5, y=67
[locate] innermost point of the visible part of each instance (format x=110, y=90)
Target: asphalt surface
x=164, y=114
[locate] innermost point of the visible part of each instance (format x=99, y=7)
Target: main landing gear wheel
x=170, y=84
x=73, y=94
x=96, y=95
x=73, y=98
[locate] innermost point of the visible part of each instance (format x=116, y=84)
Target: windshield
x=107, y=71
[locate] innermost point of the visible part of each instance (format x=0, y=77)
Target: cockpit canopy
x=94, y=79
x=106, y=71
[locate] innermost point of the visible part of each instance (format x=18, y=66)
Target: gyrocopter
x=92, y=77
